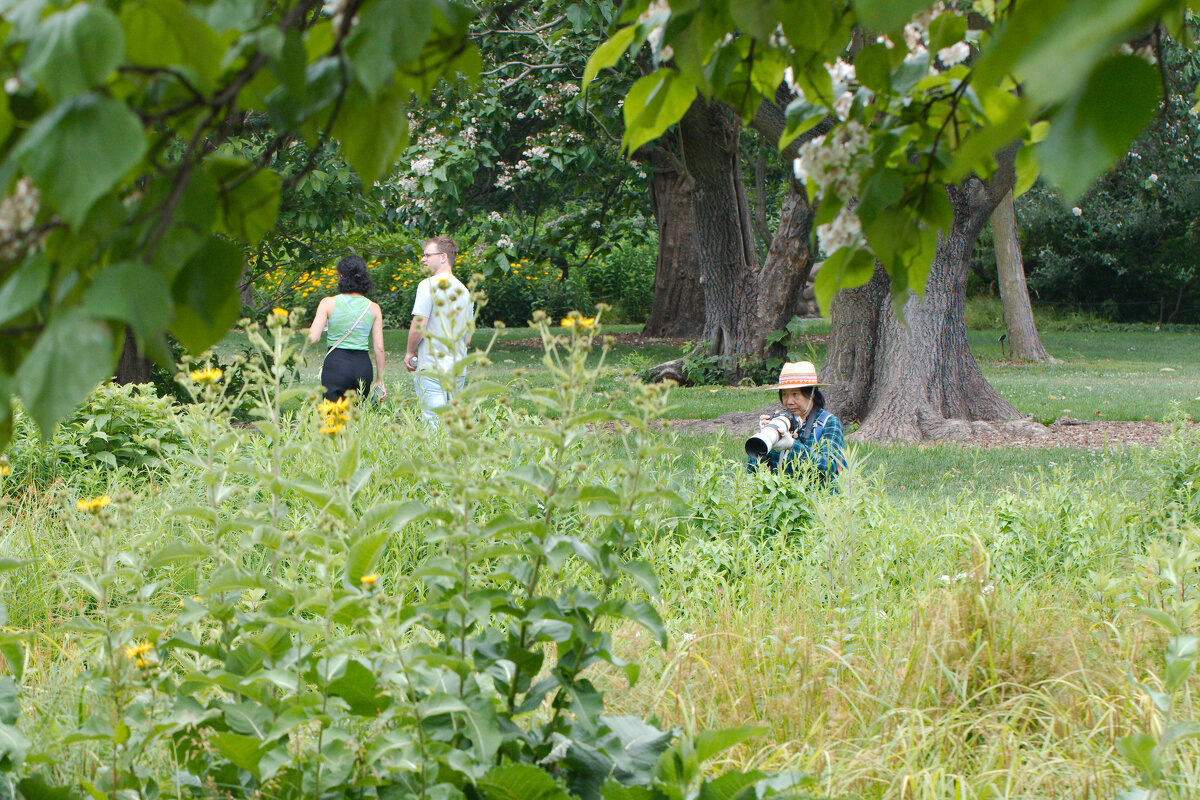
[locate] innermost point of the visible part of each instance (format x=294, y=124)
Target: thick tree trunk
x=744, y=302
x=677, y=308
x=917, y=380
x=724, y=233
x=1023, y=339
x=132, y=366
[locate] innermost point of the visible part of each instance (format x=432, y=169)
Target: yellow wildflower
x=567, y=322
x=5, y=469
x=279, y=312
x=587, y=322
x=369, y=580
x=138, y=649
x=206, y=375
x=93, y=503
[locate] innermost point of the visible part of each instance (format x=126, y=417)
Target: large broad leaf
x=206, y=297
x=653, y=104
x=608, y=53
x=1096, y=127
x=75, y=50
x=72, y=355
x=358, y=688
x=886, y=15
x=372, y=131
x=249, y=198
x=132, y=293
x=388, y=33
x=166, y=33
x=79, y=150
x=520, y=782
x=1051, y=46
x=24, y=287
x=757, y=18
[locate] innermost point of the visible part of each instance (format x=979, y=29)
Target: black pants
x=345, y=370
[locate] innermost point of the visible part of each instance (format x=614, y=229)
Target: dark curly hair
x=352, y=276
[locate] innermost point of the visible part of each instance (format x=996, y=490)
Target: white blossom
x=17, y=214
x=1077, y=211
x=1153, y=177
x=842, y=105
x=843, y=231
x=12, y=85
x=504, y=243
x=495, y=216
x=954, y=54
x=422, y=166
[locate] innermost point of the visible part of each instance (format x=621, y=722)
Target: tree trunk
x=917, y=380
x=1023, y=340
x=724, y=233
x=132, y=366
x=677, y=309
x=744, y=302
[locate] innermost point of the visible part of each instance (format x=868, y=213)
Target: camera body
x=761, y=443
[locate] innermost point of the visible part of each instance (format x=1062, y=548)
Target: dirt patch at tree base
x=1063, y=432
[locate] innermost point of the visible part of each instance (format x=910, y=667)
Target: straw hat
x=797, y=375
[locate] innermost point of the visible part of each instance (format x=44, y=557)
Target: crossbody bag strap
x=353, y=325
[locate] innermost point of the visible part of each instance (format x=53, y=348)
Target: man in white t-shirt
x=443, y=319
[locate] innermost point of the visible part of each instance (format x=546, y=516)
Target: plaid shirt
x=825, y=450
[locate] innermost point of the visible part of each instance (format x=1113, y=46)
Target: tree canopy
x=128, y=204
x=922, y=94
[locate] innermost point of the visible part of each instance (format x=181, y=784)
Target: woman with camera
x=352, y=323
x=803, y=433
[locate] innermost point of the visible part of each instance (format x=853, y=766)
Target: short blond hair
x=445, y=245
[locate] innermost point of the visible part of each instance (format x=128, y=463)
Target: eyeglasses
x=435, y=253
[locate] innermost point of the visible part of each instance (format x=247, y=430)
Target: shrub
x=115, y=427
x=293, y=634
x=624, y=279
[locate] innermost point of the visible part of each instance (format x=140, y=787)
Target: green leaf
x=520, y=782
x=873, y=67
x=79, y=150
x=653, y=104
x=72, y=355
x=166, y=33
x=886, y=15
x=363, y=555
x=249, y=205
x=243, y=751
x=608, y=53
x=24, y=287
x=810, y=24
x=1162, y=618
x=757, y=18
x=731, y=786
x=845, y=269
x=75, y=50
x=372, y=132
x=356, y=685
x=206, y=297
x=945, y=30
x=1095, y=128
x=1141, y=751
x=147, y=310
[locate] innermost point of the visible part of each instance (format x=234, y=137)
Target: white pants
x=431, y=396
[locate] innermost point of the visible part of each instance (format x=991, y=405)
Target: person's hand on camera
x=784, y=442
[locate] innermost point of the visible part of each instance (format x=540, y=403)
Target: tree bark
x=917, y=380
x=132, y=366
x=1023, y=340
x=677, y=308
x=744, y=302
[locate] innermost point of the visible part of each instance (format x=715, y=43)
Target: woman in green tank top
x=352, y=322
